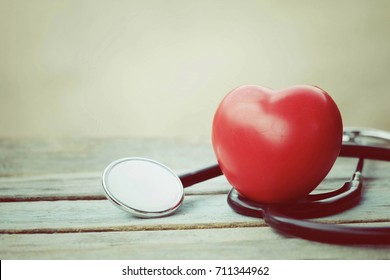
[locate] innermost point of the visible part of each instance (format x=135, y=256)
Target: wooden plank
x=218, y=244
x=102, y=215
x=72, y=168
x=88, y=185
x=78, y=186
x=198, y=211
x=30, y=157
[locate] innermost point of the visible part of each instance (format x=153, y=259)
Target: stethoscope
x=147, y=189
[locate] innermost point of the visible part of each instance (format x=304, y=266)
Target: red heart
x=276, y=146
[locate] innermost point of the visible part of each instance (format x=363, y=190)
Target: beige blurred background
x=160, y=68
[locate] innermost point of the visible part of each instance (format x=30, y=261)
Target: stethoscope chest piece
x=143, y=187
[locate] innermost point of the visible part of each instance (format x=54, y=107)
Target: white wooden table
x=52, y=206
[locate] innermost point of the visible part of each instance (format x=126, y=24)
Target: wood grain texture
x=229, y=243
x=197, y=210
x=21, y=158
x=52, y=206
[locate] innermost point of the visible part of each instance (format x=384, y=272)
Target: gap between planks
x=135, y=228
x=78, y=197
x=168, y=227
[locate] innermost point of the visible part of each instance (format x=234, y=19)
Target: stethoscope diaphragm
x=143, y=187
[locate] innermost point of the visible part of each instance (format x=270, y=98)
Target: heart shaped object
x=276, y=146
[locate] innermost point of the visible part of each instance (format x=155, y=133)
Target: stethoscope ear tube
x=367, y=152
x=329, y=233
x=349, y=196
x=292, y=225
